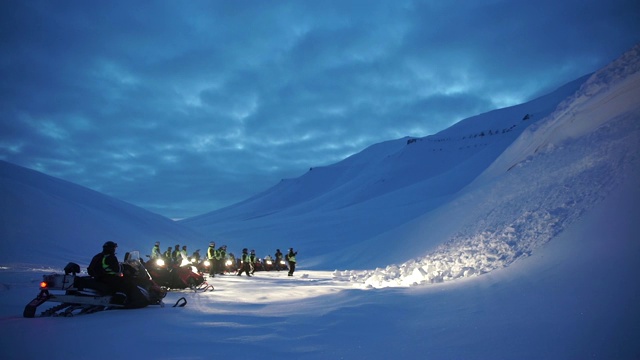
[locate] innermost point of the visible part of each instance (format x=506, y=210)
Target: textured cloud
x=184, y=108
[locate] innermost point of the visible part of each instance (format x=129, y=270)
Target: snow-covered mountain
x=522, y=172
x=401, y=199
x=549, y=177
x=45, y=220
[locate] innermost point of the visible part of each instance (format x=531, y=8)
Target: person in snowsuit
x=167, y=255
x=211, y=256
x=221, y=255
x=155, y=251
x=195, y=257
x=183, y=258
x=246, y=263
x=291, y=258
x=278, y=256
x=254, y=259
x=104, y=266
x=175, y=255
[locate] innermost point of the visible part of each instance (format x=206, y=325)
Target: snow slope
x=382, y=188
x=44, y=220
x=550, y=223
x=550, y=176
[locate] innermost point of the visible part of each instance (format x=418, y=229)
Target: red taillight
x=43, y=285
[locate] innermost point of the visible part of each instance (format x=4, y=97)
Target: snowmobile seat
x=87, y=282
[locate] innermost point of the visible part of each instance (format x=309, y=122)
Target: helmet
x=157, y=243
x=212, y=244
x=244, y=250
x=253, y=251
x=109, y=245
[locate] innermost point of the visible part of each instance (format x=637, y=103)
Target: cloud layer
x=183, y=108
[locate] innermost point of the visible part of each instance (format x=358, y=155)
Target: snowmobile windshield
x=132, y=257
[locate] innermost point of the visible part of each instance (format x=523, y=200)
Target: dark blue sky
x=185, y=107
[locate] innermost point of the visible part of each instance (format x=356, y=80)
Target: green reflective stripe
x=292, y=258
x=106, y=267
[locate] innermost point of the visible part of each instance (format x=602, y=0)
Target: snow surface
x=523, y=244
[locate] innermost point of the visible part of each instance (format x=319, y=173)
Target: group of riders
x=218, y=260
x=105, y=267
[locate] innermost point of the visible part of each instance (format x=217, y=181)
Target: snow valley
x=518, y=226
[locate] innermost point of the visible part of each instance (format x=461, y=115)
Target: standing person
x=246, y=263
x=221, y=255
x=211, y=256
x=155, y=251
x=253, y=259
x=278, y=255
x=291, y=258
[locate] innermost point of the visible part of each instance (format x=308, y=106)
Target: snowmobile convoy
x=84, y=295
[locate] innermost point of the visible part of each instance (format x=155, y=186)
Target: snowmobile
x=258, y=265
x=269, y=264
x=231, y=264
x=175, y=276
x=279, y=265
x=84, y=295
x=204, y=266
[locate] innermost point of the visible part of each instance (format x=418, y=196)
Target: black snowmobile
x=84, y=295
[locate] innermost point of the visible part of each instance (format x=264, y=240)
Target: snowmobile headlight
x=269, y=262
x=43, y=285
x=228, y=263
x=160, y=262
x=207, y=263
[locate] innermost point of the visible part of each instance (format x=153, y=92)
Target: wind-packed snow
x=514, y=235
